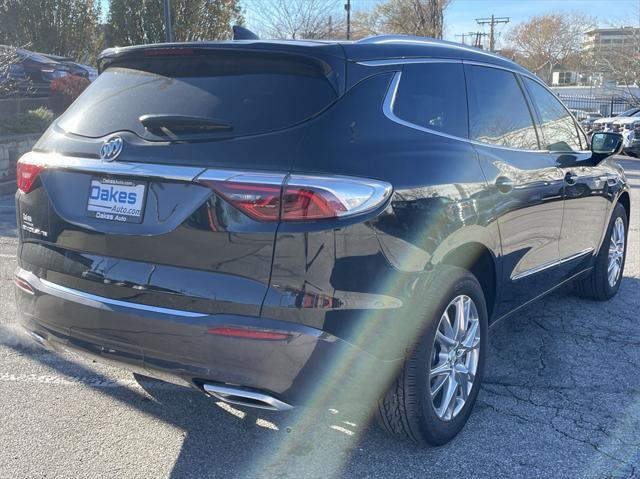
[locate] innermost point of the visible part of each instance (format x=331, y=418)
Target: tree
x=299, y=19
x=424, y=18
x=547, y=41
x=62, y=27
x=10, y=83
x=134, y=22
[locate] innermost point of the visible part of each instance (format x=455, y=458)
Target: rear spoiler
x=329, y=56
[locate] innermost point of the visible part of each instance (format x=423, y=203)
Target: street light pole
x=167, y=22
x=347, y=7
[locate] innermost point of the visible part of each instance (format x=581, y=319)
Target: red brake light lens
x=26, y=174
x=260, y=201
x=303, y=203
x=247, y=333
x=305, y=198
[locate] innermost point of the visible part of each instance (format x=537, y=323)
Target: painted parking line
x=91, y=381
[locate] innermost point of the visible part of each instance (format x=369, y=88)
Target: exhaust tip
x=245, y=397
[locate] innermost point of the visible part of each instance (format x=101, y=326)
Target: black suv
x=287, y=223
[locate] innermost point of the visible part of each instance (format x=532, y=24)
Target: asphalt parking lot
x=561, y=398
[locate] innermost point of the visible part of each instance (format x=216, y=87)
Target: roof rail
x=391, y=37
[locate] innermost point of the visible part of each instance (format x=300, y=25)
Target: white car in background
x=626, y=127
x=607, y=124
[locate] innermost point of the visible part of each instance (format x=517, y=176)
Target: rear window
x=433, y=96
x=251, y=93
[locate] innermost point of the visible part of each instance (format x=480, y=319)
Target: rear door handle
x=504, y=184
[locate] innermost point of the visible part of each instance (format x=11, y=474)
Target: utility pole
x=347, y=7
x=478, y=41
x=167, y=22
x=492, y=22
x=463, y=36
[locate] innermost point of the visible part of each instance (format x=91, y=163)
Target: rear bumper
x=176, y=346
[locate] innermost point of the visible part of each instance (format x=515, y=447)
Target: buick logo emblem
x=111, y=149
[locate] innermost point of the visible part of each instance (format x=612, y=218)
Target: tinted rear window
x=433, y=95
x=254, y=93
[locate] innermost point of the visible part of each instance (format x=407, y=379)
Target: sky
x=461, y=14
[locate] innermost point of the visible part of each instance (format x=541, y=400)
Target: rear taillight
x=26, y=174
x=315, y=197
x=302, y=198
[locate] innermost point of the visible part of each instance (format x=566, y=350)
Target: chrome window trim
x=395, y=83
x=403, y=61
x=118, y=168
x=387, y=108
x=42, y=285
x=551, y=264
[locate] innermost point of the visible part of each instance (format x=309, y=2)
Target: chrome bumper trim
x=92, y=165
x=42, y=285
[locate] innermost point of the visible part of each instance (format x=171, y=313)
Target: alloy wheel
x=454, y=357
x=616, y=252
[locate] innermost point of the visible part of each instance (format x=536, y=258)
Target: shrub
x=34, y=121
x=65, y=90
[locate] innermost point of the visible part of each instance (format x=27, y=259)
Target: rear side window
x=559, y=131
x=432, y=95
x=498, y=111
x=248, y=93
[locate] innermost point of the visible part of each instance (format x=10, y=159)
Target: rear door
x=180, y=214
x=526, y=183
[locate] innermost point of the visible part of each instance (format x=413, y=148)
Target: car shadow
x=533, y=361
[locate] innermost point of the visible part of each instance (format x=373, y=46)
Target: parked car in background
x=75, y=67
x=631, y=145
x=278, y=224
x=625, y=126
x=587, y=122
x=41, y=70
x=607, y=124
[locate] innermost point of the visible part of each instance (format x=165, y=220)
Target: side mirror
x=606, y=144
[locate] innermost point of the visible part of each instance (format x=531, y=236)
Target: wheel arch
x=479, y=261
x=625, y=200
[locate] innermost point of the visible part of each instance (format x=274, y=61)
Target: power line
x=475, y=36
x=492, y=22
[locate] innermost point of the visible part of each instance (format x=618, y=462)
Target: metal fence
x=605, y=105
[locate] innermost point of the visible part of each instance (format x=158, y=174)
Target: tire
x=596, y=285
x=407, y=410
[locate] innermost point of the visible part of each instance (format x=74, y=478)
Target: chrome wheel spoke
x=616, y=252
x=471, y=340
x=441, y=369
x=437, y=386
x=444, y=341
x=454, y=357
x=447, y=328
x=448, y=399
x=462, y=314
